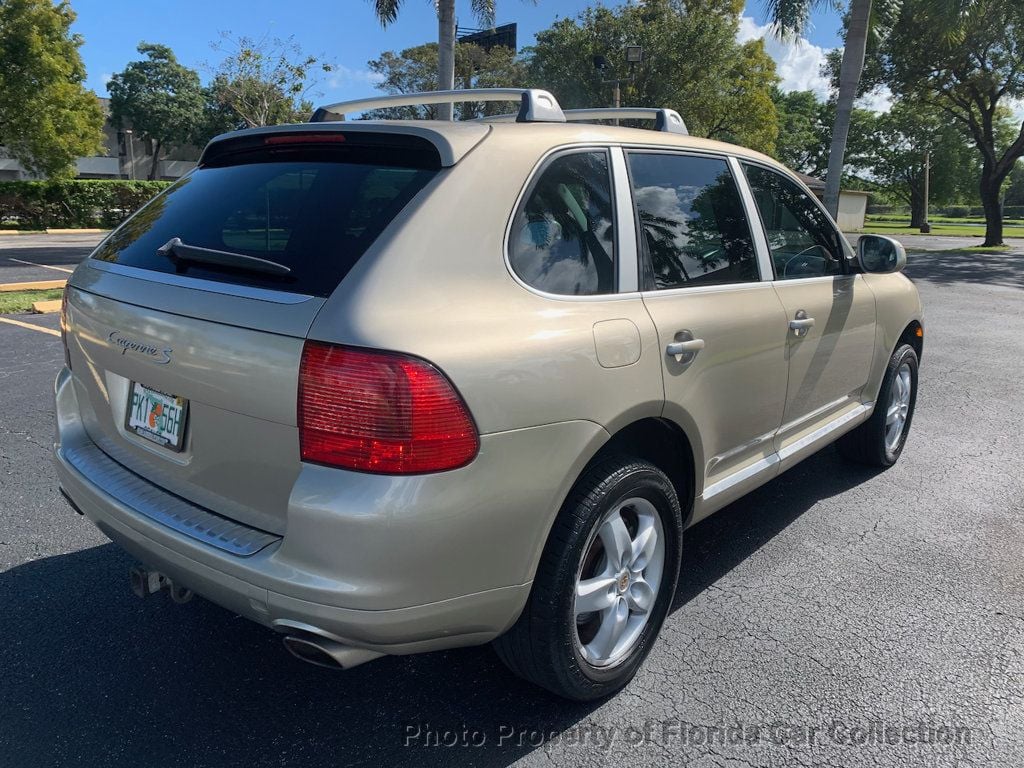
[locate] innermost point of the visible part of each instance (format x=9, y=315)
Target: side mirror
x=881, y=254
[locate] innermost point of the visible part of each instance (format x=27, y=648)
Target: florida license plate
x=156, y=416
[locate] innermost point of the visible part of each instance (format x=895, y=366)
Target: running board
x=763, y=465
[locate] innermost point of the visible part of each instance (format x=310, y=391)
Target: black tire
x=866, y=444
x=542, y=646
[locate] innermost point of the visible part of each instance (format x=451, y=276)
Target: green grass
x=981, y=249
x=897, y=228
x=879, y=218
x=21, y=301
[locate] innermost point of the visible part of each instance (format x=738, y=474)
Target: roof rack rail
x=535, y=105
x=667, y=120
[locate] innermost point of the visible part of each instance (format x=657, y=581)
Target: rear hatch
x=186, y=325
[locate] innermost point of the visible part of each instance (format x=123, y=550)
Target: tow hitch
x=150, y=582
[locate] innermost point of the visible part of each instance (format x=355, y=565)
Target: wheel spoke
x=613, y=624
x=596, y=594
x=616, y=541
x=640, y=596
x=892, y=414
x=643, y=545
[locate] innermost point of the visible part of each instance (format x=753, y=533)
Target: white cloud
x=797, y=62
x=879, y=100
x=342, y=76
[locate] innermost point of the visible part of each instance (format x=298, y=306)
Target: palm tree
x=790, y=18
x=387, y=12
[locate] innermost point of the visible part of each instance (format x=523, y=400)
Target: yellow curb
x=22, y=232
x=77, y=231
x=36, y=285
x=46, y=307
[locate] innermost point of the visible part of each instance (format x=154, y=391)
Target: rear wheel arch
x=663, y=443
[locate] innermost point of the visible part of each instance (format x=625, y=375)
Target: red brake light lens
x=380, y=412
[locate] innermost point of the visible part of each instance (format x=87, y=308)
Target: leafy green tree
x=805, y=130
x=161, y=98
x=968, y=66
x=901, y=138
x=47, y=117
x=692, y=63
x=387, y=12
x=1015, y=186
x=415, y=69
x=803, y=141
x=260, y=81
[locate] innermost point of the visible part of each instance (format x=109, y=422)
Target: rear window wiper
x=177, y=250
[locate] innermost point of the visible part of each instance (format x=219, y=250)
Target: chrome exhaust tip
x=324, y=652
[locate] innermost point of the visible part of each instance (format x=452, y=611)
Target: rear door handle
x=801, y=323
x=684, y=351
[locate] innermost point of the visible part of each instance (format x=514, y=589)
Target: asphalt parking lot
x=835, y=617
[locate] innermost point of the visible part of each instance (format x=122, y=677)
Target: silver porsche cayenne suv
x=394, y=386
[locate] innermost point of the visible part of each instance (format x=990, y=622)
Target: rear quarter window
x=311, y=209
x=562, y=239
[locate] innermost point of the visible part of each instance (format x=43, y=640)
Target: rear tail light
x=380, y=412
x=64, y=326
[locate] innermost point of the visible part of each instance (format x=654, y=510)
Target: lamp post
x=634, y=56
x=131, y=153
x=925, y=226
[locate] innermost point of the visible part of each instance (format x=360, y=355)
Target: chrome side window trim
x=757, y=231
x=625, y=225
x=210, y=286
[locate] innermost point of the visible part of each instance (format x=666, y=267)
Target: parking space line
x=29, y=325
x=41, y=266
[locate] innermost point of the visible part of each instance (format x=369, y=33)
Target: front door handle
x=801, y=323
x=684, y=351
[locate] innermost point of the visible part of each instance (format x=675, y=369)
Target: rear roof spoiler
x=452, y=141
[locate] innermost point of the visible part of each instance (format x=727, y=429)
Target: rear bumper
x=396, y=565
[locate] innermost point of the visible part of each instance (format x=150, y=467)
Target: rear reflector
x=380, y=412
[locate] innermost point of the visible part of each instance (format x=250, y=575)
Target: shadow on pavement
x=949, y=267
x=94, y=675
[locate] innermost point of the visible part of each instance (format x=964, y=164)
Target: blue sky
x=347, y=32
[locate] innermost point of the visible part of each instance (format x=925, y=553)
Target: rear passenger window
x=693, y=228
x=562, y=238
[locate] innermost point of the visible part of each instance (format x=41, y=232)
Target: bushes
x=956, y=211
x=73, y=202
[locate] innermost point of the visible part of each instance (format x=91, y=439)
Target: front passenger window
x=562, y=238
x=802, y=239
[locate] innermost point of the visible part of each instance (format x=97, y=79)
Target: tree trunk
x=445, y=53
x=993, y=209
x=849, y=79
x=155, y=165
x=916, y=211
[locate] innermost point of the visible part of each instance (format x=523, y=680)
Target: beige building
x=126, y=156
x=853, y=203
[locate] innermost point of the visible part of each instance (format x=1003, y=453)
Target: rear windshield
x=314, y=210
